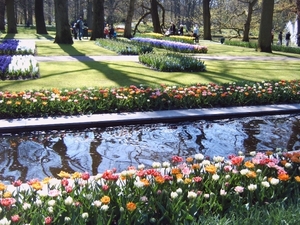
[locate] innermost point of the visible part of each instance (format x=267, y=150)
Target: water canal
x=39, y=154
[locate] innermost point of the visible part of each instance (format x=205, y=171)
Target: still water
x=45, y=153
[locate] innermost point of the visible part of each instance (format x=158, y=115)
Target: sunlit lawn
x=112, y=74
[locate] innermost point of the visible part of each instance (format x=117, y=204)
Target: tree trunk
x=63, y=31
x=89, y=18
x=298, y=15
x=206, y=20
x=11, y=20
x=98, y=19
x=30, y=12
x=265, y=29
x=2, y=12
x=155, y=17
x=39, y=17
x=127, y=31
x=248, y=21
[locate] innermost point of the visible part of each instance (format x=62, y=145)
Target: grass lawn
x=111, y=74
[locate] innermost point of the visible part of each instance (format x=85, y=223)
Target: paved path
x=112, y=119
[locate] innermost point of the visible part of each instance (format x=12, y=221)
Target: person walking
x=79, y=25
x=172, y=29
x=287, y=38
x=280, y=38
x=196, y=33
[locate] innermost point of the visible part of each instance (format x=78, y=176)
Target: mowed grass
x=114, y=74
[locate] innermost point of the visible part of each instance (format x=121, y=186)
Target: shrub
x=172, y=62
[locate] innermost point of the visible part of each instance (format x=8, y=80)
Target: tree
x=251, y=4
x=265, y=29
x=39, y=17
x=63, y=32
x=206, y=20
x=127, y=31
x=11, y=20
x=298, y=15
x=98, y=19
x=2, y=12
x=155, y=16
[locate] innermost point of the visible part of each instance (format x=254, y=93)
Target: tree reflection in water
x=39, y=154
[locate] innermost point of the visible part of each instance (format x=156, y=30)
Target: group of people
x=78, y=28
x=287, y=39
x=174, y=31
x=109, y=32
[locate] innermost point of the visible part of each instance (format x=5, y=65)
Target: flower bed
x=175, y=192
x=18, y=67
x=17, y=47
x=172, y=62
x=17, y=60
x=55, y=102
x=123, y=46
x=172, y=45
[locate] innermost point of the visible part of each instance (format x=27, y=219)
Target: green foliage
x=172, y=62
x=123, y=46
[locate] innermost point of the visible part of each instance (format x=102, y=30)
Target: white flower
x=179, y=180
x=206, y=195
x=38, y=202
x=265, y=184
x=139, y=184
x=179, y=191
x=156, y=165
x=199, y=157
x=258, y=171
x=50, y=209
x=104, y=207
x=244, y=171
x=84, y=215
x=67, y=219
x=206, y=162
x=174, y=195
x=252, y=153
x=218, y=158
x=26, y=206
x=288, y=165
x=5, y=221
x=252, y=187
x=274, y=181
x=166, y=164
x=51, y=202
x=69, y=200
x=227, y=177
x=141, y=166
x=215, y=177
x=192, y=194
x=240, y=153
x=223, y=192
x=97, y=203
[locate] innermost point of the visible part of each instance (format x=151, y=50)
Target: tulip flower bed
x=172, y=45
x=55, y=102
x=180, y=191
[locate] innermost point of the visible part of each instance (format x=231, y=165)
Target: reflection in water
x=40, y=154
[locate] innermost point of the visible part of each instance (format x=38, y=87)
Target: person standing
x=181, y=29
x=80, y=27
x=288, y=38
x=280, y=38
x=172, y=29
x=196, y=33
